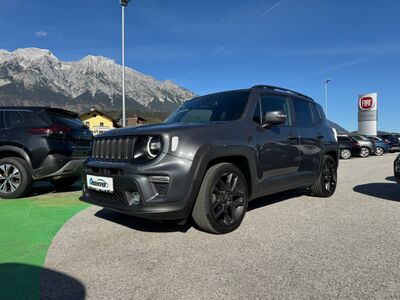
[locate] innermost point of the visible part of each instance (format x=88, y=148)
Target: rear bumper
x=57, y=166
x=167, y=188
x=394, y=147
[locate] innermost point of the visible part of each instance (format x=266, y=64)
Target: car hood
x=159, y=128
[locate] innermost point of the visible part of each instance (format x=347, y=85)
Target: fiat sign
x=368, y=114
x=366, y=103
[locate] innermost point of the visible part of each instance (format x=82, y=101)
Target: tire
x=64, y=182
x=345, y=154
x=325, y=186
x=379, y=151
x=365, y=152
x=15, y=178
x=222, y=200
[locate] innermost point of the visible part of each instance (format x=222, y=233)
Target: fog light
x=135, y=198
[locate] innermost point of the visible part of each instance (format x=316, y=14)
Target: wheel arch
x=14, y=151
x=241, y=156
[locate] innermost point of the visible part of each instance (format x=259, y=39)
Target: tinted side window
x=13, y=118
x=1, y=120
x=275, y=103
x=316, y=113
x=343, y=139
x=302, y=110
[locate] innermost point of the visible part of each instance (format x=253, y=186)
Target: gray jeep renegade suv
x=213, y=155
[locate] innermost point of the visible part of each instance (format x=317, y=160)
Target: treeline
x=150, y=116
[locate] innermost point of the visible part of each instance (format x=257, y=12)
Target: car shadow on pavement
x=386, y=191
x=22, y=281
x=170, y=226
x=45, y=187
x=391, y=178
x=142, y=224
x=272, y=199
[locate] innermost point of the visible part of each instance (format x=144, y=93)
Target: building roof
x=97, y=111
x=139, y=118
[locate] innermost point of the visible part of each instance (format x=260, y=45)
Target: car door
x=2, y=128
x=277, y=146
x=311, y=137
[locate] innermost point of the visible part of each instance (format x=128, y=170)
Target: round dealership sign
x=367, y=103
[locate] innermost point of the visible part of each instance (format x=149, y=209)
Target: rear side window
x=13, y=118
x=360, y=138
x=302, y=110
x=317, y=114
x=57, y=117
x=1, y=120
x=344, y=139
x=64, y=120
x=273, y=103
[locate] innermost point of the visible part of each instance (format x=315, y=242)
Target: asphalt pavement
x=289, y=246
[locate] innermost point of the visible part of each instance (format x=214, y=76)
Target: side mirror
x=274, y=118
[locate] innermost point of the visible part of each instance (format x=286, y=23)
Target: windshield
x=228, y=106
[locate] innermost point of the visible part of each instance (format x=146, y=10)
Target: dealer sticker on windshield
x=103, y=184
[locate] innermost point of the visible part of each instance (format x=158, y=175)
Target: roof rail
x=279, y=89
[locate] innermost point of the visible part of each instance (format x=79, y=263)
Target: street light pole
x=123, y=4
x=326, y=96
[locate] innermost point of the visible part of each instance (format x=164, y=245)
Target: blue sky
x=214, y=45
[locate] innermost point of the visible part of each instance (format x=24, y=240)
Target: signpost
x=368, y=114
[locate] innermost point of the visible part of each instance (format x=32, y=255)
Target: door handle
x=320, y=136
x=292, y=137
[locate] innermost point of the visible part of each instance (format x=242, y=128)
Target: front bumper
x=166, y=187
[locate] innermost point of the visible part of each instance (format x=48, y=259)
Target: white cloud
x=40, y=34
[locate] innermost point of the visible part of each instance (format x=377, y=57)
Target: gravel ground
x=289, y=246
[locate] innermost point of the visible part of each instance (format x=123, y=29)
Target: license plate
x=98, y=183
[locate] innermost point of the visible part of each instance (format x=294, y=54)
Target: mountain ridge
x=33, y=76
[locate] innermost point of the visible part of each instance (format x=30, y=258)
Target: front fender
x=209, y=153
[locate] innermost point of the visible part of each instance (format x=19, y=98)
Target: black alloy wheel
x=221, y=203
x=325, y=186
x=228, y=199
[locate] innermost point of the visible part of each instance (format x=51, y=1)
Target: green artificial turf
x=27, y=227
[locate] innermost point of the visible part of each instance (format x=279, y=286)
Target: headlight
x=153, y=146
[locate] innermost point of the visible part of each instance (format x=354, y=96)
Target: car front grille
x=116, y=199
x=121, y=148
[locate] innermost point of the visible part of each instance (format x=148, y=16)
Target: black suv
x=367, y=146
x=392, y=140
x=348, y=146
x=40, y=143
x=213, y=155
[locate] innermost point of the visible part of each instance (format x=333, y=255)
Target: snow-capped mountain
x=34, y=76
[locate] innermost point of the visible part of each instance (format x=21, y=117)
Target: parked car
x=39, y=143
x=367, y=146
x=380, y=146
x=397, y=169
x=213, y=155
x=392, y=141
x=348, y=146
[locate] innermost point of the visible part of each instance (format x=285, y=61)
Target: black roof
x=41, y=108
x=280, y=89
